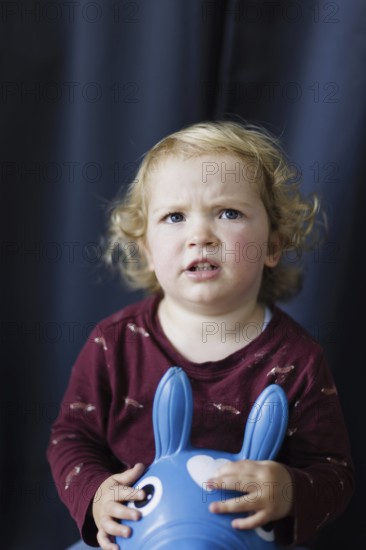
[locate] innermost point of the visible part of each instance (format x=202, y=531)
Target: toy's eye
x=149, y=492
x=265, y=533
x=153, y=490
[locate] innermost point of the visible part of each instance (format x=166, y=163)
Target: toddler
x=206, y=228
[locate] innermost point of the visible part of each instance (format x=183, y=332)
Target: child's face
x=207, y=233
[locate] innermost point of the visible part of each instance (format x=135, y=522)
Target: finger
x=240, y=467
x=247, y=484
x=105, y=542
x=113, y=528
x=251, y=522
x=119, y=511
x=130, y=476
x=240, y=476
x=228, y=468
x=125, y=492
x=232, y=480
x=242, y=503
x=234, y=467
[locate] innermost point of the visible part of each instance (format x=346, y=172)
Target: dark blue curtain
x=86, y=89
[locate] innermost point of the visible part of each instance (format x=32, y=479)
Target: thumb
x=130, y=476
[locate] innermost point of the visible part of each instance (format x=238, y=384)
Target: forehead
x=217, y=172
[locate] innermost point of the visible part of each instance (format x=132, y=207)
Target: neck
x=241, y=324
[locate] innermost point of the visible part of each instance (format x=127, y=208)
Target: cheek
x=253, y=254
x=154, y=247
x=246, y=250
x=241, y=248
x=161, y=255
x=146, y=252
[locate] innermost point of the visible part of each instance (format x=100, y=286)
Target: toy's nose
x=193, y=541
x=193, y=545
x=190, y=544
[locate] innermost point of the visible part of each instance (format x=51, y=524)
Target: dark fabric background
x=86, y=89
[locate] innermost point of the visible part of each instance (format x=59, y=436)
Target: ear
x=274, y=251
x=172, y=413
x=266, y=425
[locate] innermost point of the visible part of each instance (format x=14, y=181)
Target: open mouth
x=203, y=266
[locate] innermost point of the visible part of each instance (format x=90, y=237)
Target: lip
x=200, y=261
x=202, y=275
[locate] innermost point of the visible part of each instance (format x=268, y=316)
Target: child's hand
x=107, y=507
x=269, y=491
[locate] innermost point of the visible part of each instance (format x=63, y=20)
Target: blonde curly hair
x=291, y=216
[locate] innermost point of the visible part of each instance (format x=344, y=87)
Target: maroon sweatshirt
x=105, y=420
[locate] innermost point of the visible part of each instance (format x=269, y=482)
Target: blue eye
x=230, y=214
x=174, y=217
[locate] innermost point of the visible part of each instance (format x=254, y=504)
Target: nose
x=201, y=233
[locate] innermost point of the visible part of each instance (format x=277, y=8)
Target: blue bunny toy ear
x=172, y=413
x=266, y=425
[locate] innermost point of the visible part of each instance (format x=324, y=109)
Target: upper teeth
x=203, y=266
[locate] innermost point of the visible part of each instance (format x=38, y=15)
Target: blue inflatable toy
x=175, y=514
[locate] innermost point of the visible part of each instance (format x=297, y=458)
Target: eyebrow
x=222, y=204
x=170, y=208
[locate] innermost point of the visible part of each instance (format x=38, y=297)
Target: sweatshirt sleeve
x=78, y=452
x=317, y=456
